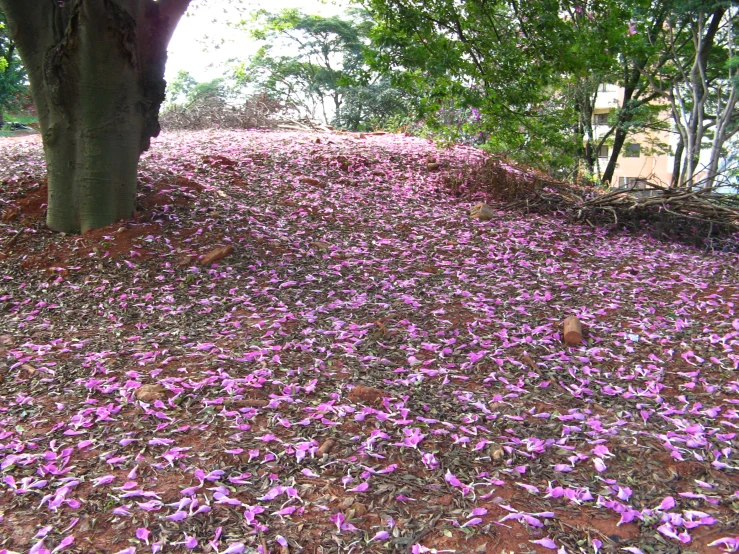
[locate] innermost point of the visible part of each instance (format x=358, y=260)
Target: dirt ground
x=367, y=369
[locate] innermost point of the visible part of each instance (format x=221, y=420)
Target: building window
x=604, y=87
x=600, y=118
x=626, y=181
x=603, y=152
x=632, y=151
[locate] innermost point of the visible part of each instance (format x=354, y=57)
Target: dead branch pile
x=699, y=216
x=209, y=112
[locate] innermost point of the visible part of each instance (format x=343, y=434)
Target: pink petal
x=546, y=543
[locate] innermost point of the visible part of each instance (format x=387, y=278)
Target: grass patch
x=22, y=118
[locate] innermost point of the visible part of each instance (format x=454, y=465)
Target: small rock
x=216, y=254
x=150, y=393
x=481, y=211
x=572, y=331
x=433, y=166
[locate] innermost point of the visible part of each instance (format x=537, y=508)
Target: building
x=644, y=156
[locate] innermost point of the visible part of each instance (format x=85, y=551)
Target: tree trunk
x=678, y=163
x=96, y=69
x=625, y=116
x=618, y=141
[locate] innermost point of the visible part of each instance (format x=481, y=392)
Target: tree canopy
x=531, y=71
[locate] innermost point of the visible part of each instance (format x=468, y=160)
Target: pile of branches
x=213, y=112
x=696, y=215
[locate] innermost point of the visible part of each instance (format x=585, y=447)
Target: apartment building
x=645, y=155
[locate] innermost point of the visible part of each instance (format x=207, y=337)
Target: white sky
x=193, y=46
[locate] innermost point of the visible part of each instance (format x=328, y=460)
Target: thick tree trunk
x=93, y=135
x=91, y=173
x=96, y=69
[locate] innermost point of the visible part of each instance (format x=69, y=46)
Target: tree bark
x=678, y=162
x=96, y=69
x=625, y=116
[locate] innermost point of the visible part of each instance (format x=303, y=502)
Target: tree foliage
x=532, y=71
x=317, y=64
x=184, y=88
x=13, y=76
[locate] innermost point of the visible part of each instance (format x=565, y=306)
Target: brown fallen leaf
x=320, y=245
x=216, y=254
x=149, y=393
x=312, y=181
x=29, y=368
x=326, y=447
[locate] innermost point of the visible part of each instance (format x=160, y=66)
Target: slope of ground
x=368, y=369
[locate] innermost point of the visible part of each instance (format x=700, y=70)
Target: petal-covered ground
x=368, y=369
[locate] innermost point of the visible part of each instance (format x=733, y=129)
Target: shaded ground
x=369, y=370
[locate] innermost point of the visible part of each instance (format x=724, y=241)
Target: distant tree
x=321, y=67
x=13, y=76
x=185, y=88
x=373, y=104
x=179, y=88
